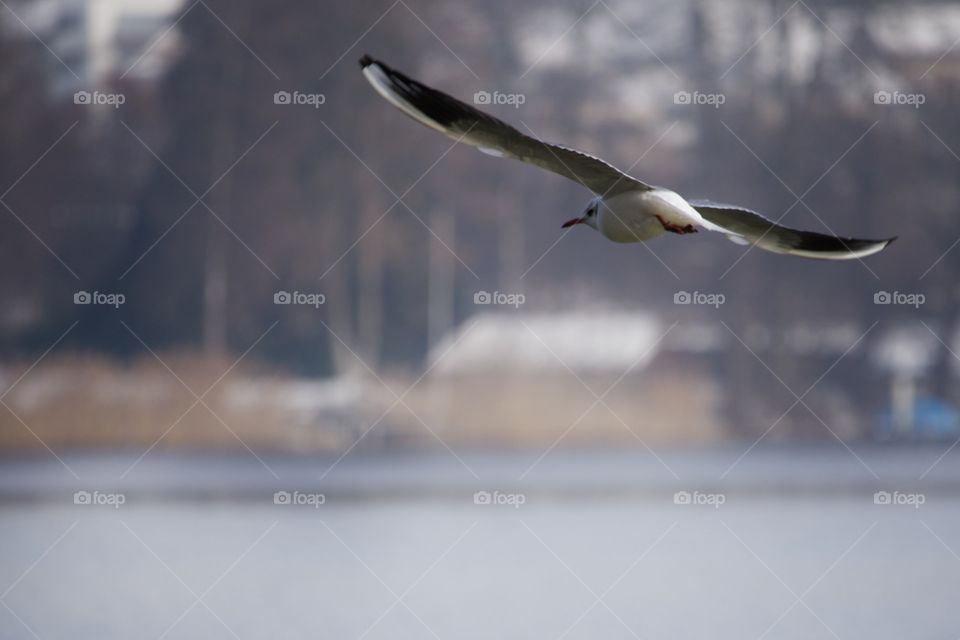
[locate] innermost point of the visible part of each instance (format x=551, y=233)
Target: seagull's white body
x=638, y=216
x=625, y=208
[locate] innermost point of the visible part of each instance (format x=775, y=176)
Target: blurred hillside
x=162, y=195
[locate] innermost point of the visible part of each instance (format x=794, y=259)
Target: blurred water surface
x=399, y=549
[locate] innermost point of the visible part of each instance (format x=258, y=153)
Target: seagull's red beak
x=570, y=223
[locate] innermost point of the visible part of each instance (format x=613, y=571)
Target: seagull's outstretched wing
x=466, y=124
x=757, y=230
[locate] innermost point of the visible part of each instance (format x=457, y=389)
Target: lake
x=785, y=543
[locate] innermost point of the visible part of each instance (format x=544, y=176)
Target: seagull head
x=589, y=216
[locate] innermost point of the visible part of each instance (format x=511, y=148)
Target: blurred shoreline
x=821, y=471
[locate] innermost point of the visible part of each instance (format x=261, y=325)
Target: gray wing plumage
x=465, y=123
x=759, y=231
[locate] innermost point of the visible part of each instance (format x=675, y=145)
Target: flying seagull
x=624, y=209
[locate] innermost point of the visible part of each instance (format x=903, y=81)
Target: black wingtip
x=366, y=61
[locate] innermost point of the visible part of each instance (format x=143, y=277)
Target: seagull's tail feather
x=757, y=230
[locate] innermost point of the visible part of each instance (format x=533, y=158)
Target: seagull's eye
x=591, y=211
